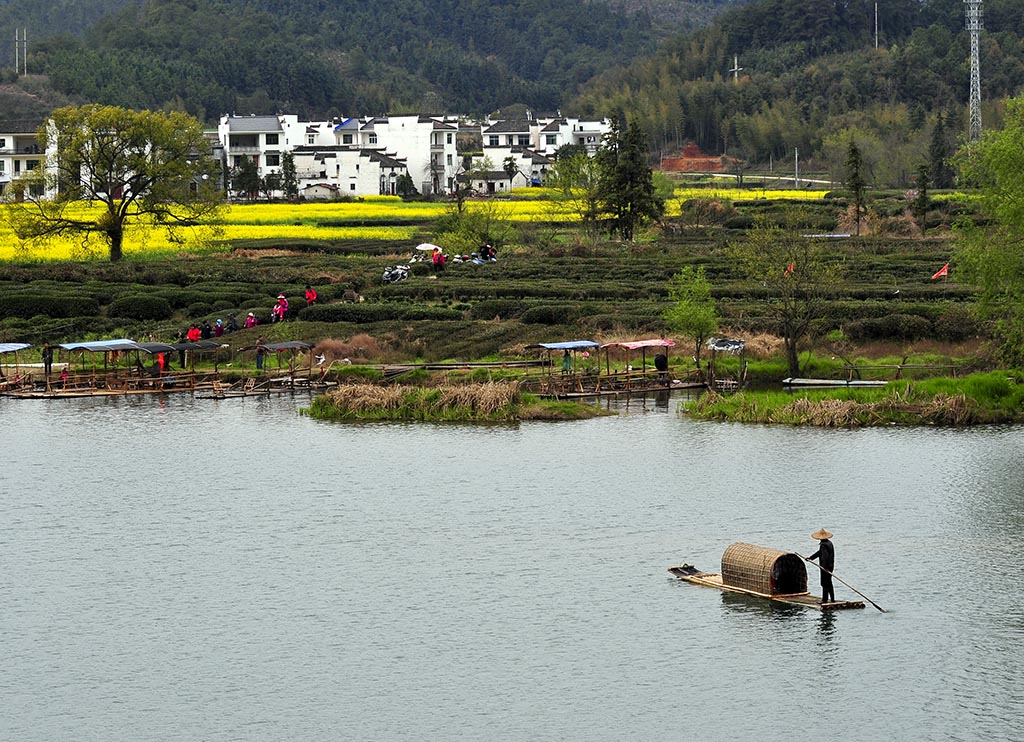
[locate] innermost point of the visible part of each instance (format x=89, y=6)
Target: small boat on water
x=775, y=575
x=830, y=383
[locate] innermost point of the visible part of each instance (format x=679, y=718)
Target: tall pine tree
x=627, y=183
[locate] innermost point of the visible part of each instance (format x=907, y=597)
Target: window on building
x=273, y=159
x=492, y=140
x=346, y=139
x=3, y=144
x=448, y=159
x=2, y=166
x=449, y=140
x=271, y=138
x=524, y=140
x=551, y=139
x=351, y=186
x=373, y=138
x=31, y=164
x=311, y=139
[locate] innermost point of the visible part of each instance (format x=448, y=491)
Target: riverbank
x=978, y=399
x=487, y=402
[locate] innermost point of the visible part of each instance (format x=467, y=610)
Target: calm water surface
x=184, y=569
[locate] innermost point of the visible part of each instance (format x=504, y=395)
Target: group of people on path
x=204, y=330
x=280, y=309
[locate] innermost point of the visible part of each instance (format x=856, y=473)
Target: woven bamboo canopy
x=763, y=570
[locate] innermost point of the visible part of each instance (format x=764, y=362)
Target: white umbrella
x=427, y=247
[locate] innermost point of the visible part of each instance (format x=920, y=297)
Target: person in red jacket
x=310, y=295
x=194, y=333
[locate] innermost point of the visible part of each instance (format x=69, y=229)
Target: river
x=184, y=569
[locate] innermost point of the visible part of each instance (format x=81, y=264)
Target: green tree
x=693, y=312
x=289, y=178
x=992, y=257
x=511, y=168
x=941, y=174
x=796, y=273
x=855, y=181
x=404, y=186
x=245, y=178
x=627, y=184
x=270, y=184
x=576, y=184
x=138, y=165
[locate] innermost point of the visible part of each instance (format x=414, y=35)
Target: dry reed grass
x=486, y=401
x=361, y=348
x=942, y=409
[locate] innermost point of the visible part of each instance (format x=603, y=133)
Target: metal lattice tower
x=973, y=9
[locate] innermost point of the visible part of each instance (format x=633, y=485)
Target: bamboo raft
x=774, y=575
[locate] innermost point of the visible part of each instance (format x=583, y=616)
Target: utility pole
x=20, y=51
x=796, y=168
x=876, y=25
x=973, y=10
x=736, y=69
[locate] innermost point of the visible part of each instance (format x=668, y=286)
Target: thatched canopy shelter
x=763, y=570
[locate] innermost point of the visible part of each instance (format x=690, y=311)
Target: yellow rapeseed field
x=328, y=221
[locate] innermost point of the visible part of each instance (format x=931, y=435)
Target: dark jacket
x=826, y=555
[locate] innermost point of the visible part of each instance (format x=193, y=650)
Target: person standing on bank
x=47, y=359
x=260, y=352
x=826, y=556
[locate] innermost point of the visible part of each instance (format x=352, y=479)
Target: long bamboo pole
x=844, y=582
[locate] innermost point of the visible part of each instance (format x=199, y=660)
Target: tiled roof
x=20, y=126
x=383, y=159
x=517, y=127
x=253, y=124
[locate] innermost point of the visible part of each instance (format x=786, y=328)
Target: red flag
x=943, y=271
x=789, y=269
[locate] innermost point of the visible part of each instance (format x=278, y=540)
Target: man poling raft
x=826, y=556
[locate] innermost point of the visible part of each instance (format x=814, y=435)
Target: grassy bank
x=996, y=397
x=490, y=402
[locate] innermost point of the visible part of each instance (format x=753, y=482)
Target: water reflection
x=750, y=605
x=397, y=581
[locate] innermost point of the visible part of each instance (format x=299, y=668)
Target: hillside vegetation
x=812, y=78
x=215, y=56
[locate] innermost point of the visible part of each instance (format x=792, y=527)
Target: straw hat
x=821, y=534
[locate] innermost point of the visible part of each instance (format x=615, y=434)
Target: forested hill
x=812, y=76
x=327, y=57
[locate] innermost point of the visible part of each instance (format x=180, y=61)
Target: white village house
x=364, y=156
x=354, y=156
x=19, y=150
x=531, y=144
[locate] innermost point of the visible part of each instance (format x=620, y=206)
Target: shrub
x=199, y=309
x=52, y=305
x=893, y=327
x=351, y=313
x=140, y=307
x=548, y=315
x=956, y=324
x=430, y=313
x=504, y=308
